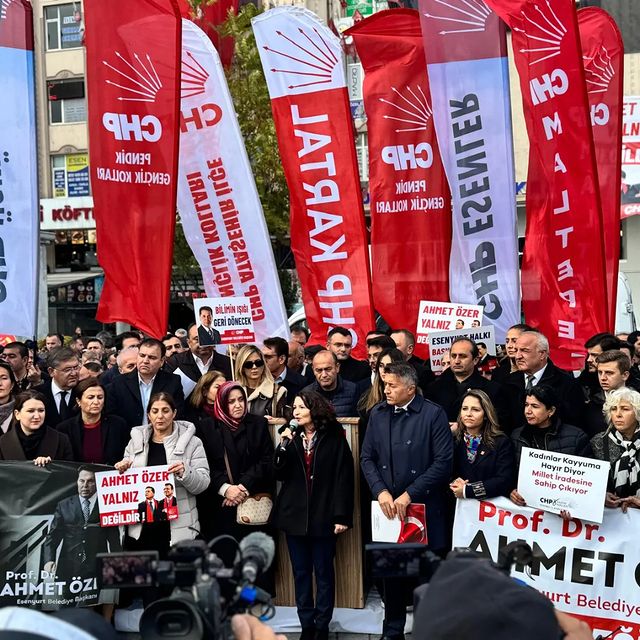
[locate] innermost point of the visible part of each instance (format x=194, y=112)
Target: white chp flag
x=217, y=198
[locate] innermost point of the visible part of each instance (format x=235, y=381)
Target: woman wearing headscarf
x=265, y=397
x=7, y=391
x=620, y=445
x=240, y=453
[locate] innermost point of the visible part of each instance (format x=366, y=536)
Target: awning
x=62, y=279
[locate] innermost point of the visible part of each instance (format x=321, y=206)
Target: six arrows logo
x=598, y=71
x=413, y=112
x=542, y=28
x=193, y=78
x=462, y=16
x=144, y=83
x=310, y=58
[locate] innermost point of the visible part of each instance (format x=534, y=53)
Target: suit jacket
x=52, y=415
x=187, y=364
x=80, y=541
x=158, y=513
x=54, y=444
x=571, y=407
x=293, y=382
x=411, y=452
x=205, y=339
x=124, y=398
x=113, y=431
x=354, y=370
x=448, y=393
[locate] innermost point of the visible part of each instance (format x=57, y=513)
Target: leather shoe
x=399, y=637
x=308, y=634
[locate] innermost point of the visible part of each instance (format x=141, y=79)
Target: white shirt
x=404, y=407
x=56, y=391
x=536, y=377
x=203, y=366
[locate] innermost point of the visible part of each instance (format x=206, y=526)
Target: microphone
x=293, y=426
x=257, y=551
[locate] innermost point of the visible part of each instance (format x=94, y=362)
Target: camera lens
x=171, y=618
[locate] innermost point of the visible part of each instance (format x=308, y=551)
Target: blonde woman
x=264, y=396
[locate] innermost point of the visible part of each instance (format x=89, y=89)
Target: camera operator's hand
x=246, y=627
x=402, y=502
x=385, y=500
x=516, y=498
x=123, y=465
x=573, y=628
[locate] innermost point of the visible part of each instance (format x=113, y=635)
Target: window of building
x=63, y=26
x=67, y=103
x=362, y=151
x=70, y=175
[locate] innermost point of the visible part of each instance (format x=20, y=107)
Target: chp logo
x=193, y=83
x=556, y=503
x=543, y=31
x=461, y=16
x=4, y=5
x=136, y=81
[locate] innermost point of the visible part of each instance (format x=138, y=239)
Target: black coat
x=52, y=415
x=562, y=438
x=124, y=400
x=185, y=361
x=299, y=513
x=571, y=399
x=80, y=541
x=411, y=453
x=55, y=445
x=491, y=474
x=354, y=370
x=114, y=433
x=448, y=393
x=294, y=383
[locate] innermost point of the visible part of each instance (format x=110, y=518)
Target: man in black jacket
x=535, y=367
x=450, y=387
x=129, y=394
x=60, y=401
x=276, y=353
x=340, y=343
x=198, y=359
x=406, y=342
x=342, y=394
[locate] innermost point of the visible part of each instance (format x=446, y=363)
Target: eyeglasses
x=253, y=364
x=69, y=370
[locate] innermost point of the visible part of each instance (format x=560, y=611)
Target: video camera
x=206, y=592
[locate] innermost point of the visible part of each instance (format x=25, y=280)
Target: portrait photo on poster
x=224, y=320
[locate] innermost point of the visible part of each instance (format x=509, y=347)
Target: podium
x=349, y=553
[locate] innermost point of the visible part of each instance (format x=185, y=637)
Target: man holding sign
x=406, y=458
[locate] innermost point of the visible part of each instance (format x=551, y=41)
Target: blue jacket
x=344, y=397
x=416, y=457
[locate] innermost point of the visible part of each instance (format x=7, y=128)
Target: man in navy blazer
x=406, y=458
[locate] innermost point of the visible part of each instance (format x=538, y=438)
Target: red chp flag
x=302, y=61
x=603, y=57
x=133, y=77
x=563, y=272
x=410, y=198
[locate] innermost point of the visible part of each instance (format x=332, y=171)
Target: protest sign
x=224, y=321
x=413, y=529
x=446, y=316
x=50, y=535
x=440, y=342
x=557, y=481
x=630, y=184
x=142, y=495
x=587, y=570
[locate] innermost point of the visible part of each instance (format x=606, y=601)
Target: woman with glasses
x=264, y=396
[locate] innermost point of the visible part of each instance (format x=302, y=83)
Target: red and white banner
x=217, y=198
x=603, y=57
x=630, y=176
x=465, y=47
x=564, y=291
x=410, y=198
x=133, y=84
x=19, y=244
x=304, y=69
x=588, y=570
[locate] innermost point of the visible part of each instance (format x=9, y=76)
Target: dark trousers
x=309, y=555
x=397, y=595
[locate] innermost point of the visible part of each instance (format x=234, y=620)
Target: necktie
x=86, y=510
x=64, y=407
x=529, y=386
x=149, y=512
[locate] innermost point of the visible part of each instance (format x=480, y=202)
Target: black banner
x=50, y=534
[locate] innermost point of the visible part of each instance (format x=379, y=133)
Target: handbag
x=256, y=509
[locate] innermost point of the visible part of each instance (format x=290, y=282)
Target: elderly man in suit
x=64, y=369
x=406, y=458
x=129, y=394
x=76, y=526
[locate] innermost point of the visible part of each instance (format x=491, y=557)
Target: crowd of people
x=133, y=401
